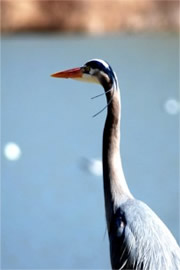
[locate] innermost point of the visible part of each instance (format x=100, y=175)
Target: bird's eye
x=87, y=69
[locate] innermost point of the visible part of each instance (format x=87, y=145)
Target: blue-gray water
x=52, y=208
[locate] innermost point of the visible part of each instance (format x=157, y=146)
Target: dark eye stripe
x=98, y=65
x=86, y=69
x=95, y=64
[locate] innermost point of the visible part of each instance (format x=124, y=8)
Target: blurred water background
x=52, y=203
x=52, y=206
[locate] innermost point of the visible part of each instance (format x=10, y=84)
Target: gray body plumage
x=140, y=240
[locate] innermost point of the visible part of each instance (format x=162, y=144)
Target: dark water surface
x=52, y=207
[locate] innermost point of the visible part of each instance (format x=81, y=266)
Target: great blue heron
x=138, y=238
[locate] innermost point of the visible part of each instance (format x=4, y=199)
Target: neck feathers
x=115, y=186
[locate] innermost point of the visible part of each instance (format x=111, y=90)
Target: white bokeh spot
x=12, y=151
x=95, y=167
x=172, y=106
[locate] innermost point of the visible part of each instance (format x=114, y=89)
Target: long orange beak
x=70, y=73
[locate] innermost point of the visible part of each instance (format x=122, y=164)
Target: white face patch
x=88, y=78
x=94, y=72
x=101, y=61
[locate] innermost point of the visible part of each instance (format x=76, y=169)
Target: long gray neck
x=115, y=187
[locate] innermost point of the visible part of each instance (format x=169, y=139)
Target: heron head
x=94, y=71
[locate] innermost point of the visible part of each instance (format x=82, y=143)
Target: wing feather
x=139, y=239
